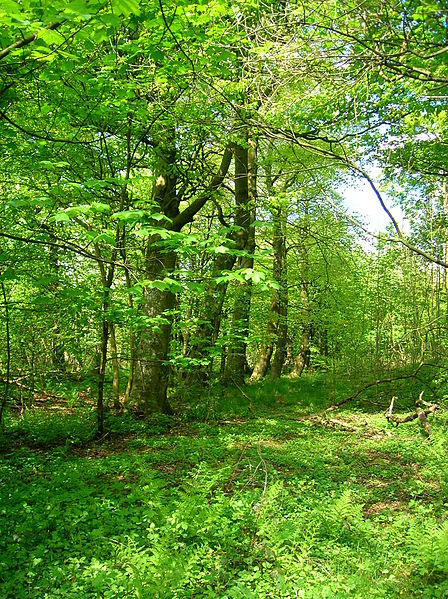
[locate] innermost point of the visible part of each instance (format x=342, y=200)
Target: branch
x=419, y=413
x=390, y=379
x=27, y=40
x=299, y=140
x=66, y=245
x=188, y=214
x=40, y=135
x=167, y=25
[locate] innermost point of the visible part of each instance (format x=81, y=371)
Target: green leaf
x=106, y=237
x=158, y=216
x=60, y=217
x=9, y=275
x=130, y=216
x=8, y=8
x=50, y=36
x=220, y=249
x=100, y=207
x=125, y=7
x=80, y=8
x=75, y=210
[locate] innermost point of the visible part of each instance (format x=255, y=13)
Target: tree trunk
x=130, y=381
x=151, y=371
x=245, y=197
x=4, y=399
x=151, y=374
x=445, y=245
x=275, y=330
x=102, y=370
x=281, y=345
x=115, y=367
x=302, y=359
x=208, y=330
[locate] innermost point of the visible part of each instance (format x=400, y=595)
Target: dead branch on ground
x=391, y=379
x=420, y=413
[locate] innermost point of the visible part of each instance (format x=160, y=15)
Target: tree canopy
x=171, y=189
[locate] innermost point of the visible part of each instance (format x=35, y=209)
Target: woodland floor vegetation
x=254, y=493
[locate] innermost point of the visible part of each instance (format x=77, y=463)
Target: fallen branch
x=419, y=414
x=391, y=379
x=341, y=424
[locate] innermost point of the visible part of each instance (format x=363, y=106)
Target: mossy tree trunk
x=150, y=380
x=151, y=369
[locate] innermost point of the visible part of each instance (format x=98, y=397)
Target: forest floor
x=248, y=493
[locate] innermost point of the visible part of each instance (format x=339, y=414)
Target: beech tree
x=173, y=171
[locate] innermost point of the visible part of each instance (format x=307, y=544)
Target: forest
x=217, y=379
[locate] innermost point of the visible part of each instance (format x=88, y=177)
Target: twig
x=265, y=469
x=390, y=379
x=249, y=399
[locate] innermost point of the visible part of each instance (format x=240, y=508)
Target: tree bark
x=8, y=354
x=151, y=373
x=302, y=359
x=115, y=367
x=275, y=330
x=211, y=317
x=245, y=197
x=149, y=389
x=281, y=344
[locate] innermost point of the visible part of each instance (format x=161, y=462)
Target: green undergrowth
x=245, y=493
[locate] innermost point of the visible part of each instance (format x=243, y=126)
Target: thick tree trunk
x=281, y=276
x=245, y=198
x=5, y=396
x=151, y=369
x=57, y=341
x=130, y=381
x=302, y=359
x=280, y=357
x=281, y=346
x=445, y=245
x=102, y=373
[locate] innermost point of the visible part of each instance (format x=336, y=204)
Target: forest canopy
x=171, y=191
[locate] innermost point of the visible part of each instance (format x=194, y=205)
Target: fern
x=345, y=510
x=429, y=544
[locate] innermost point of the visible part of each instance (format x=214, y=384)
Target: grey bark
x=115, y=367
x=302, y=359
x=149, y=389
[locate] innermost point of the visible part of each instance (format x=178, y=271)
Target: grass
x=218, y=503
